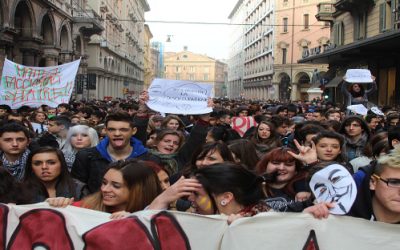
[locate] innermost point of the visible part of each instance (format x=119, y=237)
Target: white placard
x=335, y=184
x=33, y=86
x=358, y=109
x=179, y=97
x=358, y=76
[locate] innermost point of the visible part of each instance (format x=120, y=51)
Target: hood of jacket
x=138, y=148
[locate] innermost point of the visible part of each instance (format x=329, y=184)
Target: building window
x=285, y=24
x=284, y=54
x=177, y=76
x=306, y=21
x=338, y=33
x=384, y=17
x=205, y=77
x=360, y=26
x=192, y=77
x=191, y=69
x=178, y=69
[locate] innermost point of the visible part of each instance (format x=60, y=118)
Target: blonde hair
x=391, y=160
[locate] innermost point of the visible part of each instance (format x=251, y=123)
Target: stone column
x=293, y=95
x=28, y=58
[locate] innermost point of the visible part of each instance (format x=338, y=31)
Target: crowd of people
x=121, y=157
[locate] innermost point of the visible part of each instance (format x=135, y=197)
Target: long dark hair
x=202, y=152
x=245, y=151
x=11, y=191
x=244, y=184
x=357, y=94
x=141, y=180
x=65, y=185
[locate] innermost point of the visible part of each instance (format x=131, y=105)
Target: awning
x=382, y=45
x=334, y=82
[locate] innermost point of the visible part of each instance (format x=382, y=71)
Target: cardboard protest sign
x=335, y=184
x=33, y=86
x=38, y=225
x=179, y=97
x=358, y=76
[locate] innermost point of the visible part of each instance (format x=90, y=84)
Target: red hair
x=277, y=155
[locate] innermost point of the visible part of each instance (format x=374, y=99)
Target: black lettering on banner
x=311, y=243
x=170, y=234
x=41, y=227
x=3, y=225
x=129, y=233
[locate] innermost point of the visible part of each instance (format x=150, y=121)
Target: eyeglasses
x=390, y=182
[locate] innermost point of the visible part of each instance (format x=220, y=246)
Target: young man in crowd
x=318, y=115
x=57, y=131
x=373, y=122
x=378, y=196
x=91, y=164
x=333, y=114
x=357, y=134
x=14, y=141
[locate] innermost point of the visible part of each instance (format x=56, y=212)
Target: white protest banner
x=33, y=86
x=179, y=97
x=358, y=76
x=21, y=227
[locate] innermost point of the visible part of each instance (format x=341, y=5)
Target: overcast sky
x=212, y=40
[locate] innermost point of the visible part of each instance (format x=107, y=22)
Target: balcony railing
x=352, y=5
x=91, y=17
x=325, y=11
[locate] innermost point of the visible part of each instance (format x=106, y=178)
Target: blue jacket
x=91, y=164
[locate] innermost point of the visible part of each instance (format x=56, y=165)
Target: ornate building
x=116, y=62
x=42, y=33
x=189, y=66
x=107, y=35
x=365, y=34
x=276, y=35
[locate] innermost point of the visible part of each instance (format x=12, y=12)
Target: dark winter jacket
x=91, y=164
x=362, y=207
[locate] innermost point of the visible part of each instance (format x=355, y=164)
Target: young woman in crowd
x=225, y=188
x=356, y=94
x=288, y=176
x=166, y=151
x=47, y=176
x=78, y=137
x=127, y=187
x=173, y=122
x=244, y=152
x=265, y=138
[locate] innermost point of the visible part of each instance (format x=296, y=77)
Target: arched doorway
x=23, y=24
x=46, y=31
x=284, y=87
x=303, y=82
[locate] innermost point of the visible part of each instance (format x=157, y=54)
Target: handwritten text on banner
x=179, y=97
x=33, y=86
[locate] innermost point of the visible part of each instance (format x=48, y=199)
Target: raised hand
x=183, y=187
x=306, y=154
x=320, y=210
